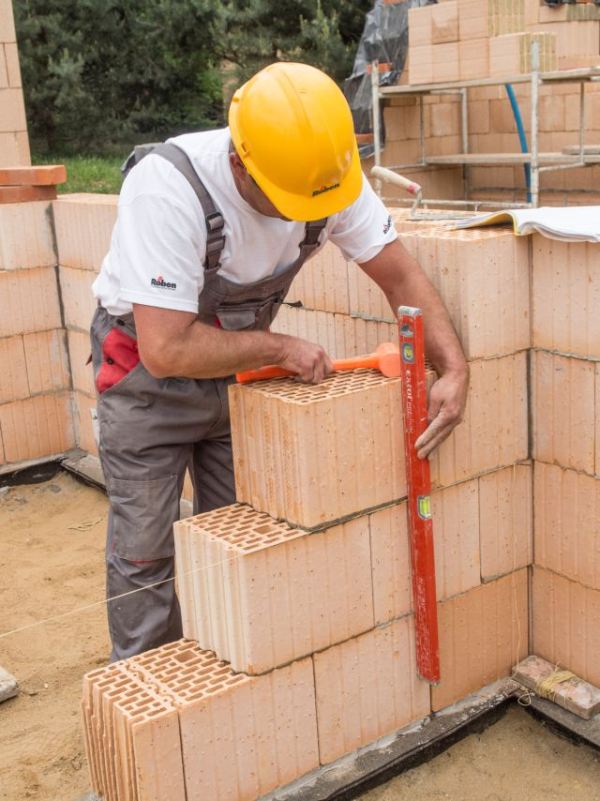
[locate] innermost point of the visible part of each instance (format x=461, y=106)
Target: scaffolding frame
x=538, y=162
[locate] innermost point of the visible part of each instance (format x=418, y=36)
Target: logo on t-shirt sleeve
x=387, y=224
x=162, y=284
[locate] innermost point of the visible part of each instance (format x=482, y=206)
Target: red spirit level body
x=414, y=408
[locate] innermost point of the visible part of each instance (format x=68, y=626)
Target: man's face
x=250, y=190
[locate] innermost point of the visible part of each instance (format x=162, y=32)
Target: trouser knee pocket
x=143, y=513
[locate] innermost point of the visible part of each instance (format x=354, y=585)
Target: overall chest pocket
x=248, y=315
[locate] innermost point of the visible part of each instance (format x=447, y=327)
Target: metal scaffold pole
x=535, y=92
x=376, y=119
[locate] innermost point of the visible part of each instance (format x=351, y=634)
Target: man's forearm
x=174, y=343
x=203, y=351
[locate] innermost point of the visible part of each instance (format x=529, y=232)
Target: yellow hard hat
x=292, y=128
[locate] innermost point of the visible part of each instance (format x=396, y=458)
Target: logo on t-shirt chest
x=162, y=284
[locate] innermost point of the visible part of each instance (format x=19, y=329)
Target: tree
x=96, y=72
x=324, y=33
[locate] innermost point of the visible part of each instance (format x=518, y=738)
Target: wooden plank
x=41, y=175
x=575, y=75
x=26, y=194
x=500, y=158
x=588, y=150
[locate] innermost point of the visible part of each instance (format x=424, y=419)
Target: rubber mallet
x=386, y=359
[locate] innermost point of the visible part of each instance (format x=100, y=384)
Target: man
x=211, y=230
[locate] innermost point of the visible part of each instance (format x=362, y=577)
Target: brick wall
x=14, y=141
x=35, y=399
x=565, y=380
x=304, y=589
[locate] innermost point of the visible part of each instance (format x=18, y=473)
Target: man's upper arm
x=364, y=228
x=158, y=333
x=389, y=266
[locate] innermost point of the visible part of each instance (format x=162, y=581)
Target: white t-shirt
x=158, y=244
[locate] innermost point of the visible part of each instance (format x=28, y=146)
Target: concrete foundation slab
x=587, y=731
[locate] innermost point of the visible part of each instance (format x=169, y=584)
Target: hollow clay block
x=510, y=54
x=483, y=632
x=14, y=384
x=83, y=224
x=444, y=22
x=566, y=294
x=566, y=623
x=25, y=232
x=392, y=588
x=241, y=736
x=564, y=414
x=38, y=426
x=368, y=687
x=131, y=737
x=483, y=277
x=47, y=361
x=506, y=520
x=78, y=301
x=262, y=594
x=419, y=26
x=473, y=58
x=28, y=301
x=8, y=685
x=312, y=454
x=322, y=283
x=455, y=512
x=494, y=431
x=561, y=687
x=567, y=523
x=341, y=335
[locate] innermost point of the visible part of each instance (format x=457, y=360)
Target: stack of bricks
x=35, y=398
x=576, y=28
x=23, y=184
x=303, y=588
x=565, y=382
x=14, y=141
x=471, y=39
x=83, y=225
x=476, y=39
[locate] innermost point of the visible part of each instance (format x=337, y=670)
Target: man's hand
x=309, y=361
x=405, y=284
x=447, y=401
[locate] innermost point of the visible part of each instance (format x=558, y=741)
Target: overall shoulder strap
x=312, y=232
x=215, y=241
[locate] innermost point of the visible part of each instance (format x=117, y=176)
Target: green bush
x=324, y=33
x=98, y=73
x=101, y=75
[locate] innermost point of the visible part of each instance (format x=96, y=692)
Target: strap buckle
x=214, y=222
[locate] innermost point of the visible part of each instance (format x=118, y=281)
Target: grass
x=87, y=173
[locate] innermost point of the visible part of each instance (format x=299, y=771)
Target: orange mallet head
x=389, y=359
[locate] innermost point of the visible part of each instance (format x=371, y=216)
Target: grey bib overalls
x=152, y=429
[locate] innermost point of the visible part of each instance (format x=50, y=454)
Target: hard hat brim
x=306, y=209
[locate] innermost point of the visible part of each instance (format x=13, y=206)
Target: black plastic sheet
x=384, y=39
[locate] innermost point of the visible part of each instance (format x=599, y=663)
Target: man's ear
x=237, y=165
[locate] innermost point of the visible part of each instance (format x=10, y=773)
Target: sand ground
x=51, y=562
